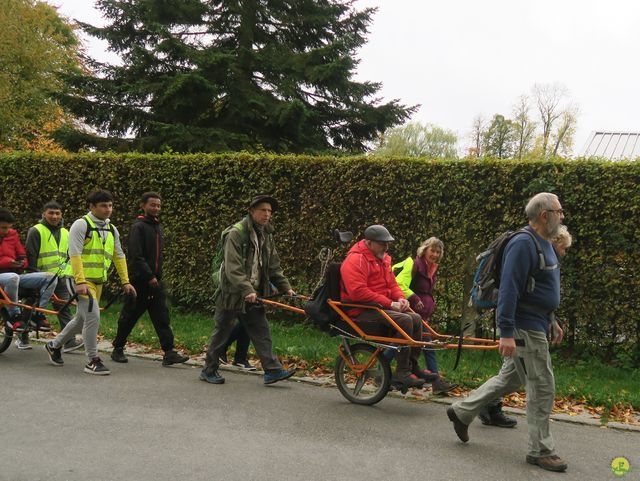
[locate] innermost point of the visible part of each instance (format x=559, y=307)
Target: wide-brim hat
x=258, y=199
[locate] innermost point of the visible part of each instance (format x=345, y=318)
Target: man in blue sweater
x=529, y=293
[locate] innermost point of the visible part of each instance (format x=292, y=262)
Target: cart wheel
x=372, y=385
x=5, y=333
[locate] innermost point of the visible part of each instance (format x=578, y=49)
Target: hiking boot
x=117, y=355
x=22, y=343
x=96, y=367
x=213, y=377
x=493, y=416
x=40, y=321
x=172, y=357
x=461, y=429
x=442, y=386
x=279, y=375
x=244, y=365
x=72, y=344
x=427, y=375
x=550, y=462
x=55, y=355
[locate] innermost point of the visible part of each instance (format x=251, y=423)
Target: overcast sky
x=463, y=58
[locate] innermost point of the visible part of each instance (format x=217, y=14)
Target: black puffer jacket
x=146, y=242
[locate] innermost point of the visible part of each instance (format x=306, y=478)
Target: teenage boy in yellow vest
x=94, y=243
x=47, y=251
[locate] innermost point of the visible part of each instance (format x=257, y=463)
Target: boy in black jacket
x=145, y=273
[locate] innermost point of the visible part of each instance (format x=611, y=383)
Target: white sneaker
x=23, y=345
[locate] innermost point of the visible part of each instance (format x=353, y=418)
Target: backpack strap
x=89, y=231
x=542, y=265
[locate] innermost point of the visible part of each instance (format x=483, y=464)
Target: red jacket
x=365, y=278
x=10, y=249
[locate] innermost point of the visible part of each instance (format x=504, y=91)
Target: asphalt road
x=146, y=422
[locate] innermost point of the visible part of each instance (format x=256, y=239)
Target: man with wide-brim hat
x=250, y=267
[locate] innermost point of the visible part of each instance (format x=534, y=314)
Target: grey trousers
x=532, y=368
x=256, y=325
x=85, y=321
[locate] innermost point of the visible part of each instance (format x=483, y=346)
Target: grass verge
x=602, y=388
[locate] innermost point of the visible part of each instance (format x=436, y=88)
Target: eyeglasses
x=557, y=211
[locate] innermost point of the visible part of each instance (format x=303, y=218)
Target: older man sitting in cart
x=366, y=278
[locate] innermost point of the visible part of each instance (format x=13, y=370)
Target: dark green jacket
x=236, y=271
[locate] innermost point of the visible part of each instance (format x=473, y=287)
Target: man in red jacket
x=13, y=260
x=367, y=278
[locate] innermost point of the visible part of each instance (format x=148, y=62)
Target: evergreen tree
x=212, y=75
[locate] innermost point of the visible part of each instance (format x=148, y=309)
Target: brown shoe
x=442, y=386
x=461, y=429
x=550, y=462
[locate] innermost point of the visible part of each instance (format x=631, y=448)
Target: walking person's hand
x=82, y=289
x=557, y=334
x=507, y=347
x=129, y=290
x=252, y=298
x=154, y=283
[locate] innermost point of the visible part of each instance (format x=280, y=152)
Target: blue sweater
x=519, y=263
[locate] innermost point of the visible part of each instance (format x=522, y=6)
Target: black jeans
x=148, y=299
x=240, y=336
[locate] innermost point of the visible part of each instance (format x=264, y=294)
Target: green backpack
x=218, y=257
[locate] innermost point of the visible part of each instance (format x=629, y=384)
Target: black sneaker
x=245, y=365
x=72, y=345
x=172, y=357
x=55, y=356
x=117, y=355
x=96, y=367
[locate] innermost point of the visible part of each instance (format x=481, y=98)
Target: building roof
x=613, y=145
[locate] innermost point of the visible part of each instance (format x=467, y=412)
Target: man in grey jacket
x=251, y=265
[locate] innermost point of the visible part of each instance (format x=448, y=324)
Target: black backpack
x=486, y=280
x=321, y=313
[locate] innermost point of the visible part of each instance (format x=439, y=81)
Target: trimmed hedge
x=465, y=203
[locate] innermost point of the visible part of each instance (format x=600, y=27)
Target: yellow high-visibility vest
x=52, y=256
x=97, y=255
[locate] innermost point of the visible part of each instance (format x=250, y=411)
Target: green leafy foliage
x=466, y=203
x=38, y=49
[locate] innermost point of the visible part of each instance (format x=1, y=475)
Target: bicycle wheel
x=5, y=332
x=361, y=385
